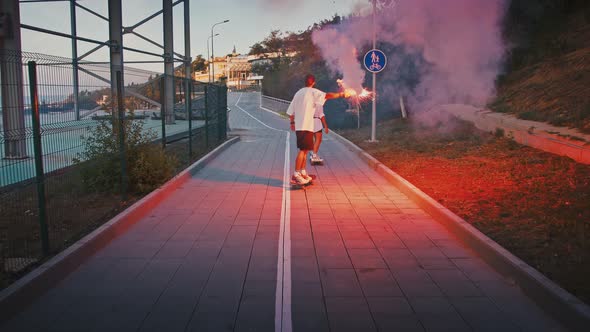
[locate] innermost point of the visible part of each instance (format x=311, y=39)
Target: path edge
x=21, y=293
x=563, y=306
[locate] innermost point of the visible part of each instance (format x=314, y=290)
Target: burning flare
x=352, y=93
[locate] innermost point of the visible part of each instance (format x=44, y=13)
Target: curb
x=17, y=296
x=566, y=308
x=531, y=133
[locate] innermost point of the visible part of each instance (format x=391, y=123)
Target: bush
x=148, y=166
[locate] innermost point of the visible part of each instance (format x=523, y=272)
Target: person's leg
x=317, y=141
x=300, y=160
x=306, y=146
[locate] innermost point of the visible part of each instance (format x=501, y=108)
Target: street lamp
x=213, y=56
x=208, y=59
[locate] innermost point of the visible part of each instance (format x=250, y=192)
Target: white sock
x=303, y=172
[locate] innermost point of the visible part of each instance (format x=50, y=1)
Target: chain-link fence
x=70, y=161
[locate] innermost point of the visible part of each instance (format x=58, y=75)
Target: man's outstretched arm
x=334, y=95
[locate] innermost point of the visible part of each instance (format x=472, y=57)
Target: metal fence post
x=188, y=100
x=219, y=114
x=122, y=149
x=163, y=111
x=40, y=176
x=207, y=116
x=223, y=111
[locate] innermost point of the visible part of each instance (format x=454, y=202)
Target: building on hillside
x=236, y=69
x=201, y=76
x=219, y=68
x=268, y=58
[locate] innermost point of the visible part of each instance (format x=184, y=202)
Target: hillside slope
x=548, y=76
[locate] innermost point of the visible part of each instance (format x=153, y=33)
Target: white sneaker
x=305, y=175
x=316, y=159
x=300, y=179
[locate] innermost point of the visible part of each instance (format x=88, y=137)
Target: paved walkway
x=355, y=255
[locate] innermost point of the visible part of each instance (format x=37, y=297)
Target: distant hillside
x=548, y=70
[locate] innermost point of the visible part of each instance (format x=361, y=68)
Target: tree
x=256, y=49
x=274, y=42
x=199, y=64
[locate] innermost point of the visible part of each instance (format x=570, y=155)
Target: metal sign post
x=375, y=61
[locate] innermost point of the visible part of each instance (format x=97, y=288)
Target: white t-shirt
x=304, y=105
x=317, y=122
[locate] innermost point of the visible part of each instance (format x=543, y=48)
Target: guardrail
x=275, y=104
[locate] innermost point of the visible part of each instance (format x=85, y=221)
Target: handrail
x=276, y=99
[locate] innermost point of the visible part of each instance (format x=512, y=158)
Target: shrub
x=148, y=166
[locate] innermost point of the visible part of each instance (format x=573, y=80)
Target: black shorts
x=304, y=139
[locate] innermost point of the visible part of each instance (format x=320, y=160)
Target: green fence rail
x=58, y=152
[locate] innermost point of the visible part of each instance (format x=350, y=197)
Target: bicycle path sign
x=375, y=60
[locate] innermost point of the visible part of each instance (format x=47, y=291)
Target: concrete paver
x=362, y=256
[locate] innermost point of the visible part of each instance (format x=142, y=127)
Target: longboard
x=297, y=185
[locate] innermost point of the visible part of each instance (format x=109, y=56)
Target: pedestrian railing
x=275, y=104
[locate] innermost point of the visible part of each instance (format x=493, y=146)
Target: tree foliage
x=537, y=29
x=256, y=49
x=199, y=64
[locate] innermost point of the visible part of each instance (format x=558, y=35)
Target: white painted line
x=283, y=317
x=253, y=117
x=283, y=291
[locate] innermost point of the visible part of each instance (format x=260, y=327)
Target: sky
x=250, y=22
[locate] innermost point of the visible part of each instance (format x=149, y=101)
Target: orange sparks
x=365, y=94
x=351, y=93
x=348, y=92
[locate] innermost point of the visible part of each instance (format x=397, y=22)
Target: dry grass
x=535, y=204
x=555, y=91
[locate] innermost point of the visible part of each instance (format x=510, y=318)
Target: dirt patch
x=533, y=203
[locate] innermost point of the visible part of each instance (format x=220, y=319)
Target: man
x=319, y=124
x=301, y=112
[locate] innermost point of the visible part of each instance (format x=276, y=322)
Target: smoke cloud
x=454, y=48
x=340, y=53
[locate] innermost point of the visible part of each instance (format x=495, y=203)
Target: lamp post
x=208, y=59
x=213, y=56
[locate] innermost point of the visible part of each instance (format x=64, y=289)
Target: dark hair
x=309, y=79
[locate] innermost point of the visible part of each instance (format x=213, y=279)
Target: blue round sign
x=375, y=60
